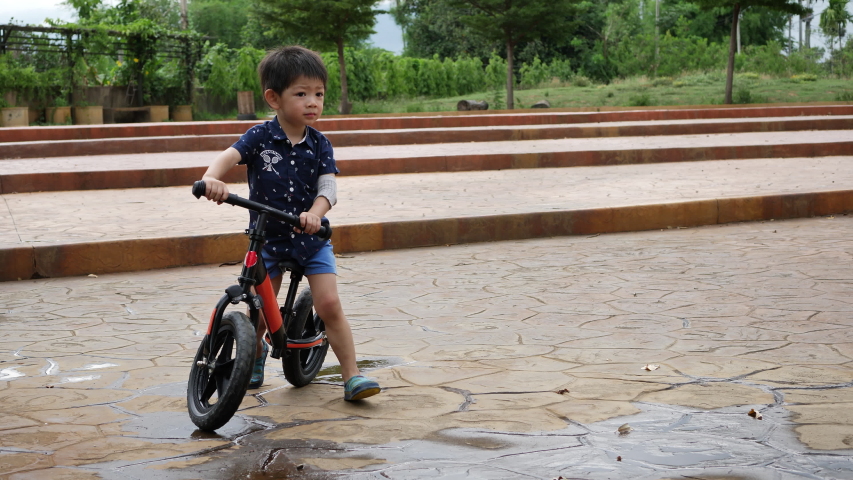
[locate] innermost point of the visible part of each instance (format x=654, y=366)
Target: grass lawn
x=694, y=89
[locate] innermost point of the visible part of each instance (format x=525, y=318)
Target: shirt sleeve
x=328, y=187
x=326, y=156
x=248, y=143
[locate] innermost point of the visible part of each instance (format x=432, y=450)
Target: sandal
x=258, y=372
x=359, y=387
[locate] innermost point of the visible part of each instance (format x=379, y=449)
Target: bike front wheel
x=301, y=365
x=218, y=381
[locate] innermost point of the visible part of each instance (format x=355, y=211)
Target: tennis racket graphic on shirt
x=271, y=157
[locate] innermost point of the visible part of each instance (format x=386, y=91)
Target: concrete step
x=420, y=136
x=182, y=168
x=429, y=120
x=74, y=233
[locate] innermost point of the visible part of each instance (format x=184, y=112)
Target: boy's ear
x=273, y=99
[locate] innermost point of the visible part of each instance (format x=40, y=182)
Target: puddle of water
x=83, y=378
x=667, y=442
x=97, y=366
x=10, y=373
x=171, y=426
x=53, y=367
x=332, y=373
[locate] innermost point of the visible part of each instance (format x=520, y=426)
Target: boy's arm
x=216, y=190
x=310, y=220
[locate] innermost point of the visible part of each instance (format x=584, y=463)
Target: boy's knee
x=327, y=307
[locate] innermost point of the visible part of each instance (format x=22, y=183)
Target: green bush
x=845, y=96
x=495, y=72
x=640, y=100
x=581, y=81
x=745, y=96
x=677, y=54
x=805, y=77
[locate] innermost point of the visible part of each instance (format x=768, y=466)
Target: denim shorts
x=321, y=262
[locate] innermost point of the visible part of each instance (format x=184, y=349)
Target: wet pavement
x=522, y=359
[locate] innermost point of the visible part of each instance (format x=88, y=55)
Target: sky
x=388, y=35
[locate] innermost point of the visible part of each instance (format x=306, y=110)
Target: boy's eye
x=300, y=94
x=320, y=94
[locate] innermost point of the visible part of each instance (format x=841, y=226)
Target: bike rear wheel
x=302, y=365
x=213, y=395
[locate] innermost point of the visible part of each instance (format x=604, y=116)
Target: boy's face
x=300, y=104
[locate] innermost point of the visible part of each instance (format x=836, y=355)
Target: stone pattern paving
x=73, y=217
x=501, y=360
x=203, y=159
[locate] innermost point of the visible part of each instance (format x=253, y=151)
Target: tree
x=432, y=27
x=833, y=22
x=514, y=21
x=325, y=24
x=220, y=19
x=785, y=6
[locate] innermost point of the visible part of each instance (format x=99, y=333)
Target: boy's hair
x=282, y=66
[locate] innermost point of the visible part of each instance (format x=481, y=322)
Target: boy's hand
x=216, y=190
x=310, y=223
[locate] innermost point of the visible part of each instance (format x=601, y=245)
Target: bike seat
x=291, y=266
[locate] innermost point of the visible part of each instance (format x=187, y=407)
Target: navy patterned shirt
x=284, y=176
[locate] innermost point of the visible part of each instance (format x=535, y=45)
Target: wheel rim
x=210, y=384
x=309, y=356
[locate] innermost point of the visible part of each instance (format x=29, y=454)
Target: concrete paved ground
x=501, y=360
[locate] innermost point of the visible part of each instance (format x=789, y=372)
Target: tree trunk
x=738, y=34
x=657, y=35
x=809, y=31
x=510, y=94
x=730, y=70
x=184, y=22
x=800, y=25
x=790, y=38
x=345, y=107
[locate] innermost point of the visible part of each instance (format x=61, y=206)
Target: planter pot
x=88, y=115
x=182, y=113
x=159, y=113
x=58, y=115
x=246, y=106
x=11, y=98
x=15, y=117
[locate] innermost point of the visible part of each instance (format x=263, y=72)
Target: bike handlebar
x=199, y=189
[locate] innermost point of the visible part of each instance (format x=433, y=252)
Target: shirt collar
x=278, y=133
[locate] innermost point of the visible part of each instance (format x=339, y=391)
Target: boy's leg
x=327, y=304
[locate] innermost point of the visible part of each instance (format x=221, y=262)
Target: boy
x=291, y=167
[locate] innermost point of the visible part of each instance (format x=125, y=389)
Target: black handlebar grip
x=199, y=188
x=324, y=233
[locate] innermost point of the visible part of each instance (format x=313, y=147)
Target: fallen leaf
x=563, y=391
x=651, y=367
x=625, y=429
x=92, y=275
x=756, y=415
x=619, y=458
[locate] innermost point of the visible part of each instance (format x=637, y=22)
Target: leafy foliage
x=514, y=21
x=343, y=22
